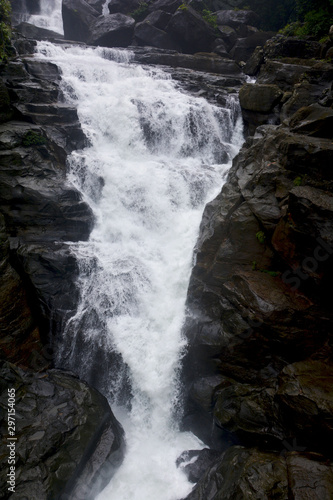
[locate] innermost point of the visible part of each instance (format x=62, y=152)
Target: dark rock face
x=68, y=441
x=77, y=16
x=147, y=34
x=38, y=215
x=191, y=31
x=31, y=31
x=244, y=47
x=115, y=30
x=237, y=18
x=249, y=474
x=123, y=6
x=259, y=366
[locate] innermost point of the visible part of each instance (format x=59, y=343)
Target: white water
x=158, y=151
x=49, y=17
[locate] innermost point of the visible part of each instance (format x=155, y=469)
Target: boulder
x=31, y=31
x=253, y=64
x=249, y=474
x=237, y=18
x=305, y=396
x=147, y=34
x=260, y=98
x=77, y=16
x=314, y=120
x=169, y=6
x=190, y=31
x=228, y=35
x=68, y=441
x=243, y=48
x=194, y=463
x=282, y=46
x=123, y=6
x=158, y=18
x=114, y=30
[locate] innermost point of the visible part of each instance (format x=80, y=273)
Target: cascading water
x=49, y=16
x=155, y=157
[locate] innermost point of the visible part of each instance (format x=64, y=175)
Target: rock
x=228, y=35
x=253, y=64
x=244, y=47
x=249, y=474
x=41, y=271
x=248, y=411
x=147, y=34
x=158, y=18
x=190, y=31
x=281, y=46
x=77, y=16
x=314, y=120
x=194, y=463
x=330, y=33
x=260, y=98
x=123, y=6
x=31, y=31
x=206, y=62
x=169, y=6
x=68, y=441
x=6, y=111
x=114, y=30
x=305, y=396
x=257, y=290
x=219, y=48
x=236, y=18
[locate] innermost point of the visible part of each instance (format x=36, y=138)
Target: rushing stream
x=156, y=155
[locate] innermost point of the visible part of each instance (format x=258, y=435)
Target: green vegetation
x=31, y=138
x=5, y=29
x=298, y=181
x=260, y=235
x=312, y=18
x=210, y=18
x=183, y=6
x=141, y=12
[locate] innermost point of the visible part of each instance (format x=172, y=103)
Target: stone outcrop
x=77, y=16
x=258, y=368
x=251, y=474
x=115, y=30
x=68, y=441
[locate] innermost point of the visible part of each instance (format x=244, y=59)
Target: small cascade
x=49, y=16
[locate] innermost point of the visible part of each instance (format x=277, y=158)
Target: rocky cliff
x=67, y=439
x=258, y=370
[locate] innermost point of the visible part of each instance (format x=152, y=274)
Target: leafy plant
x=260, y=235
x=5, y=29
x=210, y=18
x=271, y=273
x=298, y=181
x=183, y=6
x=31, y=138
x=141, y=12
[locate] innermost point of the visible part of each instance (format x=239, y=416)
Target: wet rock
x=123, y=6
x=314, y=120
x=31, y=31
x=190, y=31
x=237, y=18
x=169, y=6
x=194, y=463
x=260, y=98
x=68, y=440
x=248, y=474
x=159, y=19
x=228, y=35
x=206, y=62
x=243, y=48
x=114, y=30
x=281, y=46
x=147, y=34
x=77, y=17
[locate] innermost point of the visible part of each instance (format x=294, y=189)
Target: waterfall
x=155, y=157
x=49, y=17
